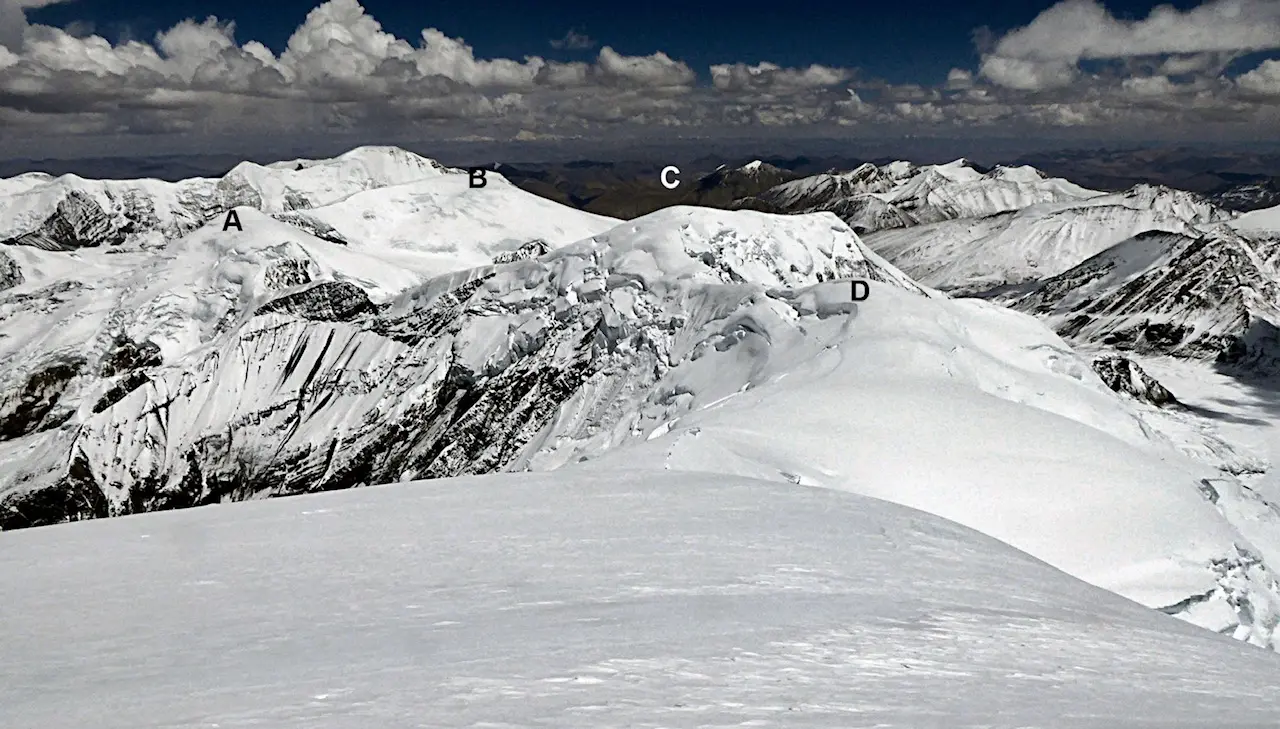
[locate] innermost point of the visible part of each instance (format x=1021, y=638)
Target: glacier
x=396, y=325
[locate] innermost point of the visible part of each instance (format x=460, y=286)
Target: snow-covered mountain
x=67, y=212
x=1246, y=196
x=570, y=599
x=973, y=254
x=357, y=343
x=1200, y=295
x=441, y=224
x=293, y=370
x=900, y=194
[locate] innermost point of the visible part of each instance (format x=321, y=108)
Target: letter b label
x=477, y=177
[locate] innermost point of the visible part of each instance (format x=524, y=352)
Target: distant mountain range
x=628, y=188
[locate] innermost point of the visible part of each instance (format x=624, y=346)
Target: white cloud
x=13, y=20
x=1084, y=29
x=1029, y=74
x=958, y=78
x=1149, y=86
x=658, y=69
x=1046, y=53
x=770, y=76
x=341, y=70
x=1265, y=79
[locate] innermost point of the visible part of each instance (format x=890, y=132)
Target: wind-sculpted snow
x=69, y=212
x=976, y=254
x=577, y=599
x=1208, y=296
x=901, y=195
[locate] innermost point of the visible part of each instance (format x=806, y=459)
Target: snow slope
x=587, y=600
x=688, y=339
x=445, y=219
x=976, y=413
x=70, y=212
x=973, y=254
x=1263, y=221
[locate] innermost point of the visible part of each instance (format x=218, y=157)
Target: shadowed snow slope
x=576, y=600
x=1037, y=241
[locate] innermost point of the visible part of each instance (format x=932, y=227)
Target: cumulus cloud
x=341, y=71
x=1046, y=53
x=1080, y=29
x=769, y=76
x=13, y=21
x=1265, y=79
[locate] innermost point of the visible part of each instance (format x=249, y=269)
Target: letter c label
x=673, y=183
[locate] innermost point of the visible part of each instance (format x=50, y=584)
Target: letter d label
x=861, y=290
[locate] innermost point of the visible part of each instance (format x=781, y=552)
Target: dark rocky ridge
x=32, y=407
x=10, y=271
x=323, y=301
x=1127, y=378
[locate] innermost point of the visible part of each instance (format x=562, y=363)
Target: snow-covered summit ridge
x=902, y=194
x=68, y=211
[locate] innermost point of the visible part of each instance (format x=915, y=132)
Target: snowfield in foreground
x=572, y=600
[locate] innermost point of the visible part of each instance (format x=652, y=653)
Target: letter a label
x=476, y=175
x=232, y=221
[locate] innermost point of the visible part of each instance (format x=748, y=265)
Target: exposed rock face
x=10, y=271
x=526, y=251
x=324, y=301
x=315, y=227
x=126, y=355
x=287, y=273
x=33, y=407
x=1125, y=376
x=77, y=222
x=1212, y=296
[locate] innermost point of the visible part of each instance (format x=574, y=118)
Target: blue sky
x=152, y=74
x=902, y=42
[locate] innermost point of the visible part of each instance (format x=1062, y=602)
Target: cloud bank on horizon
x=1075, y=67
